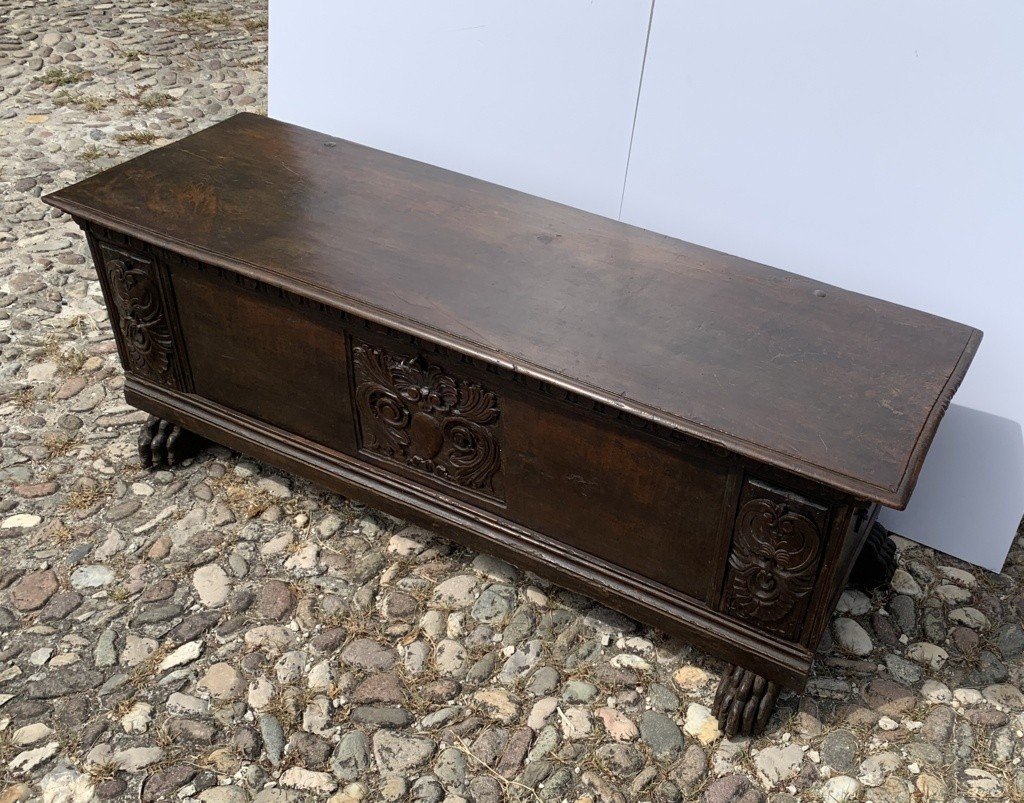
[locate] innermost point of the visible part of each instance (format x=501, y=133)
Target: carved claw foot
x=163, y=444
x=877, y=562
x=744, y=701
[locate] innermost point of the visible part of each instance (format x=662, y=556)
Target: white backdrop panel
x=877, y=145
x=530, y=94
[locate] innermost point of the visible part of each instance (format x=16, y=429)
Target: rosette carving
x=414, y=412
x=775, y=553
x=147, y=344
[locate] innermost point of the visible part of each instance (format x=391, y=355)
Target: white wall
x=531, y=94
x=875, y=145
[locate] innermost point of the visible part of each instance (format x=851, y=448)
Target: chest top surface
x=832, y=385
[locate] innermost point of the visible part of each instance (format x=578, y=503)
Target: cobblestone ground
x=227, y=633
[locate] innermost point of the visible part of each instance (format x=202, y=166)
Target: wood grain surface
x=831, y=385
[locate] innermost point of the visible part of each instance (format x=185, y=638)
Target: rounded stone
x=275, y=600
x=397, y=754
x=212, y=585
x=661, y=734
x=34, y=590
x=222, y=682
x=853, y=638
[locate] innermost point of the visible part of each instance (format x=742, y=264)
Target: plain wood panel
x=617, y=495
x=259, y=354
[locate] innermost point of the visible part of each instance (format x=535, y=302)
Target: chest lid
x=831, y=385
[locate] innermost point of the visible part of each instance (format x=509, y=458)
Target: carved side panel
x=413, y=412
x=777, y=544
x=139, y=315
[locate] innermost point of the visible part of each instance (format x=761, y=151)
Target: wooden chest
x=696, y=440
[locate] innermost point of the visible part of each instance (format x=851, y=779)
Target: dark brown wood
x=776, y=549
x=413, y=411
x=744, y=701
x=876, y=563
x=135, y=291
x=695, y=440
x=265, y=357
x=828, y=384
x=163, y=444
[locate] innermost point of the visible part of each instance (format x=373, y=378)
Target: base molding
x=783, y=663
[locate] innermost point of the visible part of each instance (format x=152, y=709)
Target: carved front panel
x=776, y=548
x=147, y=346
x=414, y=412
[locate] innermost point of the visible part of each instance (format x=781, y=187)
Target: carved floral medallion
x=774, y=558
x=416, y=413
x=145, y=334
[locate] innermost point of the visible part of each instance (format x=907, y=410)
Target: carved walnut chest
x=694, y=439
